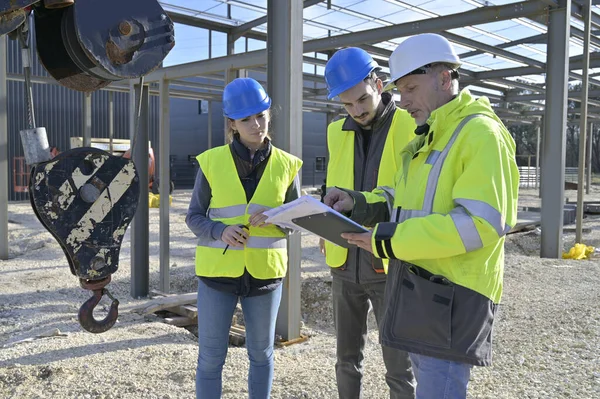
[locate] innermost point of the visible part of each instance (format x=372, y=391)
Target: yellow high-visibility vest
x=265, y=252
x=340, y=169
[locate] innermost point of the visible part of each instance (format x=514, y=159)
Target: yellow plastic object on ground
x=579, y=251
x=154, y=200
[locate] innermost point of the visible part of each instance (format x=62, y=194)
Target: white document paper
x=306, y=205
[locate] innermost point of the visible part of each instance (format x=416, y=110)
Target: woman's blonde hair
x=231, y=132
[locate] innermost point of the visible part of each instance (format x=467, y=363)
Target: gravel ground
x=547, y=341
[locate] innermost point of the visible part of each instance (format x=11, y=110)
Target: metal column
x=230, y=74
x=140, y=251
x=87, y=119
x=209, y=133
x=553, y=172
x=111, y=121
x=589, y=159
x=3, y=153
x=587, y=19
x=284, y=74
x=164, y=184
x=537, y=155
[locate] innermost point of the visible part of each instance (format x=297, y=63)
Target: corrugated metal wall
x=59, y=110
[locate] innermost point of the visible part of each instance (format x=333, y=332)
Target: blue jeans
x=440, y=379
x=215, y=311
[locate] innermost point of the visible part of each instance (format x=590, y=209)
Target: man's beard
x=366, y=122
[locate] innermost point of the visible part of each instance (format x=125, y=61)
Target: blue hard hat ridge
x=347, y=68
x=244, y=97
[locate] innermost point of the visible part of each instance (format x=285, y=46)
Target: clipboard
x=330, y=226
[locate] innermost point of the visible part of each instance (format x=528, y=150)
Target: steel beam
x=140, y=251
x=578, y=10
x=242, y=30
x=438, y=24
x=164, y=184
x=578, y=33
x=3, y=152
x=493, y=50
x=574, y=95
x=503, y=53
x=571, y=111
x=210, y=25
x=541, y=38
x=575, y=64
x=553, y=173
x=284, y=46
x=213, y=65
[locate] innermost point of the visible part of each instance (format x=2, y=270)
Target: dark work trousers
x=351, y=304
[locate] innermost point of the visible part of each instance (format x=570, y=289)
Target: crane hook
x=86, y=311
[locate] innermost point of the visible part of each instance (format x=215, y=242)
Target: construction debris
x=580, y=251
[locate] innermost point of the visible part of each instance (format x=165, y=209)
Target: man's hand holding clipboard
x=341, y=201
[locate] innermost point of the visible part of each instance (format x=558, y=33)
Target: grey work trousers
x=350, y=310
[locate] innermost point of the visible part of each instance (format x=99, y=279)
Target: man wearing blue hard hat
x=238, y=256
x=364, y=150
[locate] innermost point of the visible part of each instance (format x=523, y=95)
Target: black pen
x=227, y=246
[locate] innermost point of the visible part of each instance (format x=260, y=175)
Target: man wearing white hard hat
x=454, y=201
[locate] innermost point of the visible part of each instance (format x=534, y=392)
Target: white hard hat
x=418, y=51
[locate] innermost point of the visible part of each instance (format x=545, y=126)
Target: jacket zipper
x=362, y=187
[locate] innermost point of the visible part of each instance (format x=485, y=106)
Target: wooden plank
x=179, y=321
x=183, y=310
x=573, y=230
x=238, y=329
x=236, y=338
x=162, y=303
x=300, y=339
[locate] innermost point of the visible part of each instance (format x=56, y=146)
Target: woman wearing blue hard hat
x=238, y=255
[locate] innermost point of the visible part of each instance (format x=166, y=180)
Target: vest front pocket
x=422, y=310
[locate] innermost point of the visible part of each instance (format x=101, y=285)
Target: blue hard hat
x=347, y=68
x=244, y=97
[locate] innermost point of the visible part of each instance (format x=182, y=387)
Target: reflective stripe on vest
x=461, y=215
x=233, y=211
x=253, y=242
